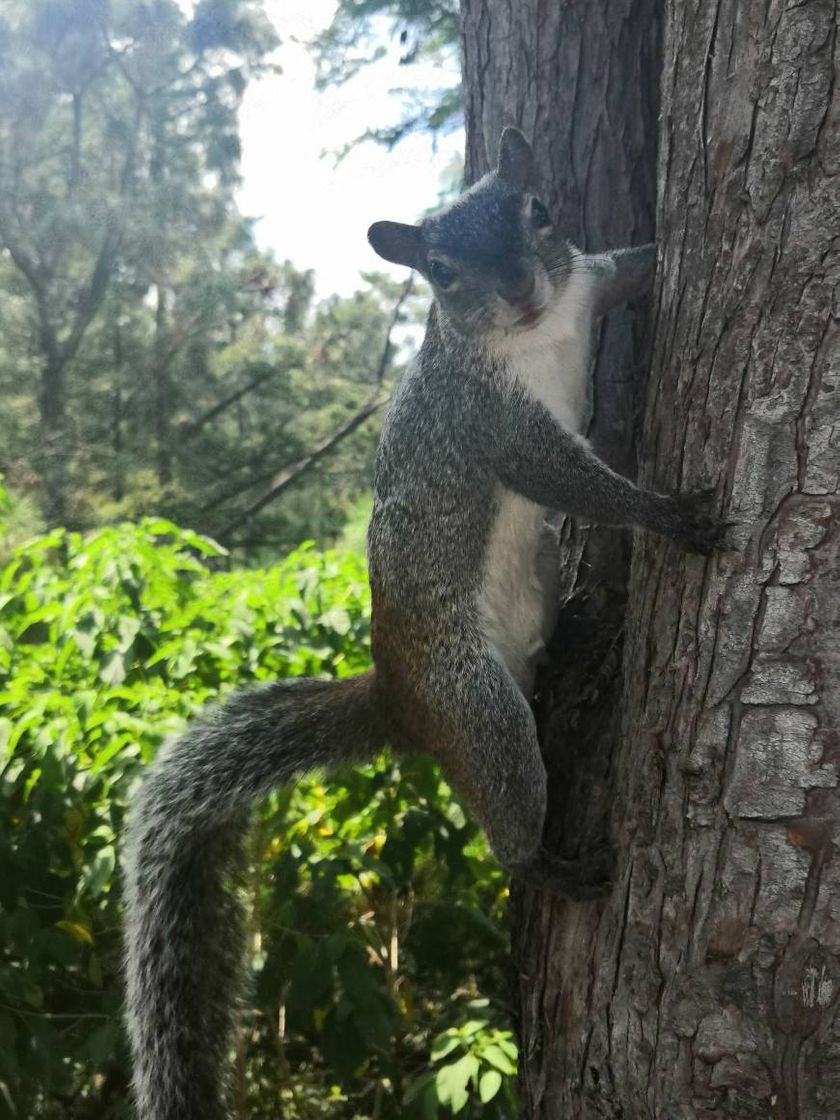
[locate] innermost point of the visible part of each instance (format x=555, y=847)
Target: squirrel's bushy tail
x=185, y=848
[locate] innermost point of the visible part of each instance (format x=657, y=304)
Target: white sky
x=312, y=212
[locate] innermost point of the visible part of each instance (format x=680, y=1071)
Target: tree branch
x=191, y=429
x=24, y=261
x=100, y=277
x=241, y=485
x=285, y=479
x=385, y=356
x=30, y=268
x=92, y=296
x=289, y=476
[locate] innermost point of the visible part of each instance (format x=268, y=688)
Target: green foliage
x=153, y=360
x=373, y=910
x=119, y=153
x=473, y=1065
x=424, y=27
x=19, y=520
x=427, y=30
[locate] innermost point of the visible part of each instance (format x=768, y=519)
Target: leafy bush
x=374, y=913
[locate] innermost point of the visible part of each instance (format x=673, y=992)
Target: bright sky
x=311, y=211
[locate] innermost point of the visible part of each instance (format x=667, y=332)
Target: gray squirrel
x=482, y=437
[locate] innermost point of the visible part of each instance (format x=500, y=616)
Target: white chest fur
x=552, y=363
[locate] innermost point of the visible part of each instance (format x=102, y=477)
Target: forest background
x=187, y=436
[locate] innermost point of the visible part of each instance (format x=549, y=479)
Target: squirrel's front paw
x=698, y=527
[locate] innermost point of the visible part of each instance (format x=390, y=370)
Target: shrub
x=373, y=909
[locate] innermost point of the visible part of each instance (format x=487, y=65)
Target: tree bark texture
x=707, y=984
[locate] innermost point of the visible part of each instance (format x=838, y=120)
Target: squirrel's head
x=493, y=257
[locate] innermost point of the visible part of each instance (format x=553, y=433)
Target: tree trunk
x=117, y=412
x=706, y=985
x=163, y=389
x=54, y=449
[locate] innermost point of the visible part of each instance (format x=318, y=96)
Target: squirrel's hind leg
x=492, y=758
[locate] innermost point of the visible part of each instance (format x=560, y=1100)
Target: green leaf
x=444, y=1044
x=337, y=619
x=505, y=1042
x=101, y=870
x=127, y=627
x=489, y=1085
x=495, y=1056
x=104, y=756
x=452, y=1082
x=112, y=669
x=85, y=639
x=24, y=724
x=422, y=1090
x=75, y=929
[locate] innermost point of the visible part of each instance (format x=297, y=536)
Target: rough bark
x=706, y=985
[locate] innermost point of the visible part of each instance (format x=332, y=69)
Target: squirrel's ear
x=396, y=242
x=516, y=160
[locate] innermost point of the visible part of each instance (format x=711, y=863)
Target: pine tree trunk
x=706, y=985
x=52, y=406
x=163, y=389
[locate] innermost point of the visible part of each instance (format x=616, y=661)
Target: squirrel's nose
x=519, y=291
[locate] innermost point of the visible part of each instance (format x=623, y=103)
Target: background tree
x=699, y=717
x=103, y=107
x=426, y=29
x=152, y=359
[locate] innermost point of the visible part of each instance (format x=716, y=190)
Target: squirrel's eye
x=442, y=275
x=540, y=217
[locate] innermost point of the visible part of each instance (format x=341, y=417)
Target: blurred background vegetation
x=179, y=414
x=153, y=359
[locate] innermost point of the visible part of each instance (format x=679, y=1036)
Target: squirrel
x=483, y=436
